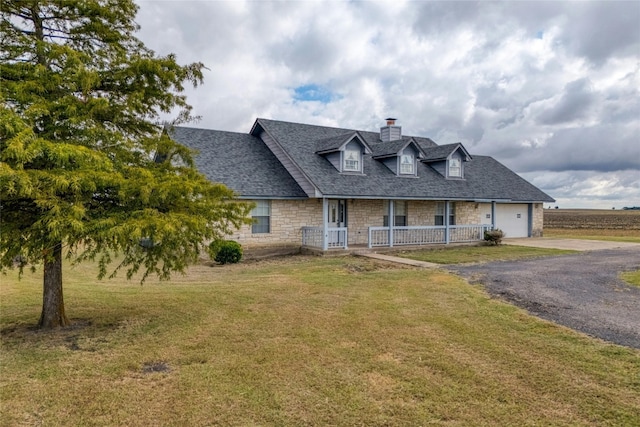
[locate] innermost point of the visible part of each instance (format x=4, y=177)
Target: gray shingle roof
x=244, y=163
x=391, y=148
x=333, y=143
x=485, y=178
x=240, y=161
x=441, y=152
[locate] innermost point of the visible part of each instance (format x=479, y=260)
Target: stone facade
x=421, y=213
x=286, y=222
x=362, y=214
x=289, y=216
x=538, y=214
x=468, y=213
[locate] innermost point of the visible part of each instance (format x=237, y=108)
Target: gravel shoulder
x=581, y=291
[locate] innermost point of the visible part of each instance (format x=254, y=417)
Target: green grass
x=301, y=341
x=467, y=254
x=631, y=277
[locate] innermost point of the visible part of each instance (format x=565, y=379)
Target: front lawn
x=301, y=341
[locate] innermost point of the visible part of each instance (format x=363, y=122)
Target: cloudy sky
x=550, y=89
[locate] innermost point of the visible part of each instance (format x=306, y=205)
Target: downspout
x=530, y=220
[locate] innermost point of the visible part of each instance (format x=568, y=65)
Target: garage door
x=513, y=219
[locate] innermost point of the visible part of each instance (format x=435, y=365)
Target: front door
x=337, y=218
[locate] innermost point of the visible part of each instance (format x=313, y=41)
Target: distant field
x=593, y=219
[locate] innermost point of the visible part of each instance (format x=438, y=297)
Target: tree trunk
x=53, y=315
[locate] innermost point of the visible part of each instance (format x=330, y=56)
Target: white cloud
x=540, y=86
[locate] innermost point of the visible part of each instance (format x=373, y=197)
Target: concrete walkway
x=572, y=244
x=399, y=260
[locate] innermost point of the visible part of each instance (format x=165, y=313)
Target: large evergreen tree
x=84, y=168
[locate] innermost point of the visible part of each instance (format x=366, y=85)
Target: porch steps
x=398, y=260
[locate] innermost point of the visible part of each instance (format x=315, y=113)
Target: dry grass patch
x=302, y=341
x=484, y=253
x=594, y=234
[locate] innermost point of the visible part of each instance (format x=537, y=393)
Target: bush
x=494, y=237
x=225, y=251
x=214, y=248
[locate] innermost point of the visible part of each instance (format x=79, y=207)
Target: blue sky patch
x=540, y=34
x=313, y=92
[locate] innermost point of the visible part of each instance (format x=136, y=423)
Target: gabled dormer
x=401, y=156
x=345, y=152
x=448, y=160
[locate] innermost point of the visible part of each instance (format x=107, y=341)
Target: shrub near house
x=225, y=251
x=494, y=237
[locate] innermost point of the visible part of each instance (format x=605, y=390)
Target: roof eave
x=433, y=160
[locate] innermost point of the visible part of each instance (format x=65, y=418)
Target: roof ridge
x=307, y=124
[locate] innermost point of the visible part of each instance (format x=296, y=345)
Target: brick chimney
x=390, y=132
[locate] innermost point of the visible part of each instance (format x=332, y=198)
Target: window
x=407, y=164
x=399, y=211
x=351, y=160
x=440, y=208
x=261, y=216
x=455, y=169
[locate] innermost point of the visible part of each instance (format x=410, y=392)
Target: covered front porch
x=392, y=223
x=338, y=237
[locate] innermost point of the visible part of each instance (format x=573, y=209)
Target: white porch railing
x=418, y=235
x=423, y=235
x=467, y=233
x=378, y=236
x=312, y=237
x=337, y=237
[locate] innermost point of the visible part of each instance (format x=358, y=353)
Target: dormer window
x=352, y=161
x=455, y=168
x=399, y=156
x=407, y=164
x=344, y=152
x=448, y=160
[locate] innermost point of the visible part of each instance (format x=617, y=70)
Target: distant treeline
x=632, y=208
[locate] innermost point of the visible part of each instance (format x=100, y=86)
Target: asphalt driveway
x=580, y=291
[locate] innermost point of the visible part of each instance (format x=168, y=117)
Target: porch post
x=446, y=222
x=493, y=215
x=344, y=221
x=391, y=222
x=325, y=224
x=530, y=220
